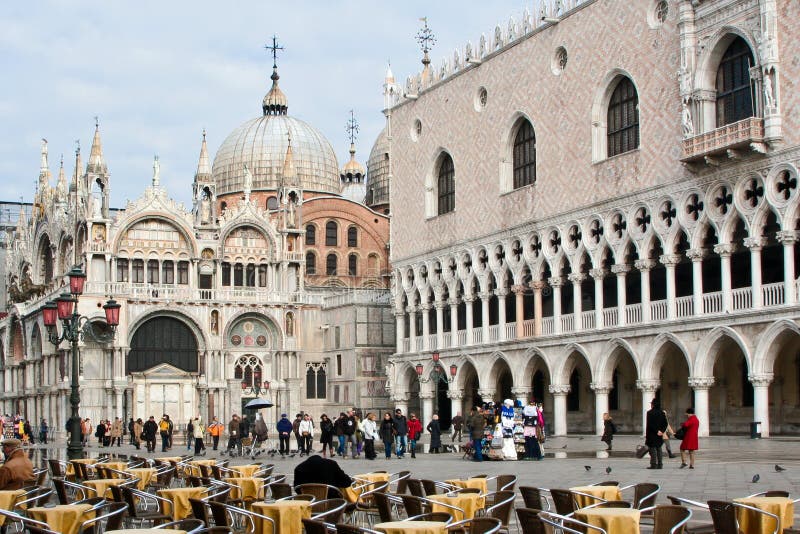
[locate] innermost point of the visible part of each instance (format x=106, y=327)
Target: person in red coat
x=414, y=432
x=689, y=443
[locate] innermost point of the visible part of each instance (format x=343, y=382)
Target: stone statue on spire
x=156, y=172
x=248, y=183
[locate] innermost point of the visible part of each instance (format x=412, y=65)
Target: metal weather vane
x=352, y=128
x=425, y=36
x=274, y=48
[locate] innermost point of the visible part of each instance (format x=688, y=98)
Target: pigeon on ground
x=608, y=470
x=587, y=467
x=778, y=468
x=564, y=447
x=756, y=478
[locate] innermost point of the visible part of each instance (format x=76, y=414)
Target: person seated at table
x=17, y=471
x=318, y=470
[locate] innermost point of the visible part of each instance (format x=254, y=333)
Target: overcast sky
x=158, y=72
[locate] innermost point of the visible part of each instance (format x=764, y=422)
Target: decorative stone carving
x=701, y=382
x=762, y=380
x=482, y=47
x=696, y=254
x=620, y=268
x=598, y=274
x=601, y=387
x=644, y=265
x=498, y=37
x=648, y=385
x=559, y=389
x=686, y=120
x=670, y=259
x=724, y=249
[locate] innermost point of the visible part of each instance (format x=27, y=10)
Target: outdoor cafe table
x=119, y=466
x=7, y=500
x=193, y=466
x=287, y=515
x=101, y=485
x=750, y=521
x=246, y=488
x=607, y=493
x=469, y=502
x=352, y=493
x=373, y=477
x=144, y=531
x=144, y=474
x=612, y=520
x=64, y=518
x=245, y=470
x=168, y=459
x=475, y=483
x=417, y=527
x=179, y=497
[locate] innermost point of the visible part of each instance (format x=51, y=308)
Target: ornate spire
x=288, y=173
x=61, y=185
x=44, y=167
x=203, y=168
x=352, y=170
x=426, y=40
x=275, y=102
x=156, y=172
x=76, y=175
x=22, y=221
x=97, y=164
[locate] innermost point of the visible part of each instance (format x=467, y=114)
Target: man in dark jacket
x=296, y=430
x=149, y=429
x=476, y=424
x=400, y=431
x=284, y=428
x=319, y=470
x=350, y=426
x=654, y=433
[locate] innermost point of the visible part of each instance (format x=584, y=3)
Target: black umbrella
x=257, y=404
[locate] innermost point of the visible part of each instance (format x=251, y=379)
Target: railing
x=633, y=313
x=588, y=321
x=684, y=306
x=610, y=316
x=418, y=343
x=477, y=336
x=772, y=294
x=733, y=135
x=742, y=298
x=658, y=310
x=568, y=323
x=170, y=292
x=511, y=331
x=528, y=327
x=406, y=345
x=432, y=344
x=461, y=338
x=712, y=303
x=547, y=326
x=494, y=333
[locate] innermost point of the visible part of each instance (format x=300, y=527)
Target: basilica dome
x=378, y=173
x=261, y=144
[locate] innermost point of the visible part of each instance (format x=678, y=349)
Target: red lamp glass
x=453, y=370
x=50, y=313
x=112, y=312
x=419, y=369
x=266, y=384
x=435, y=357
x=65, y=305
x=76, y=280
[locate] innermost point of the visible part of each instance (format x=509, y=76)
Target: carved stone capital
x=424, y=306
x=701, y=382
x=440, y=304
x=576, y=278
x=521, y=392
x=620, y=269
x=755, y=243
x=468, y=298
x=501, y=292
x=411, y=309
x=601, y=387
x=762, y=380
x=398, y=313
x=648, y=385
x=555, y=281
x=724, y=249
x=400, y=396
x=559, y=389
x=452, y=301
x=485, y=295
x=537, y=285
x=425, y=395
x=670, y=259
x=598, y=274
x=454, y=394
x=644, y=265
x=519, y=289
x=696, y=254
x=786, y=237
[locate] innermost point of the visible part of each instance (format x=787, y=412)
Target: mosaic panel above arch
x=250, y=331
x=154, y=233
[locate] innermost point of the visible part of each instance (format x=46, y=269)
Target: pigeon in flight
x=587, y=467
x=778, y=468
x=756, y=478
x=608, y=470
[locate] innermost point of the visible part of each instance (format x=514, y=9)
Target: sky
x=157, y=73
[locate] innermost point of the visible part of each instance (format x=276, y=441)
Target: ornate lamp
x=453, y=370
x=76, y=280
x=112, y=313
x=420, y=368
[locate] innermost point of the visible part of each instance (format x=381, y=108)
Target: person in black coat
x=435, y=430
x=318, y=470
x=654, y=433
x=149, y=429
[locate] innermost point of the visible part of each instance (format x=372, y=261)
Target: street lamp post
x=437, y=374
x=74, y=328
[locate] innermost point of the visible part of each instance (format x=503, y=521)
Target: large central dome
x=261, y=145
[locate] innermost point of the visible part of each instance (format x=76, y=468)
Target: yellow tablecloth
x=179, y=497
x=144, y=531
x=245, y=470
x=469, y=502
x=754, y=522
x=7, y=500
x=352, y=493
x=612, y=520
x=144, y=474
x=87, y=461
x=478, y=483
x=607, y=493
x=288, y=516
x=373, y=477
x=168, y=459
x=101, y=485
x=194, y=470
x=418, y=527
x=247, y=488
x=64, y=518
x=119, y=466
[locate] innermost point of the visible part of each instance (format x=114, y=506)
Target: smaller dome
x=378, y=172
x=353, y=171
x=275, y=101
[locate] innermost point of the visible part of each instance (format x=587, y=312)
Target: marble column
x=696, y=255
x=621, y=270
x=401, y=402
x=399, y=316
x=439, y=305
x=468, y=300
x=644, y=267
x=559, y=392
x=701, y=385
x=487, y=394
x=412, y=328
x=725, y=250
x=755, y=244
x=519, y=309
x=501, y=314
x=537, y=307
x=456, y=401
x=598, y=275
x=577, y=299
x=426, y=406
x=453, y=302
x=556, y=282
x=670, y=261
x=485, y=297
x=522, y=394
x=648, y=388
x=425, y=309
x=788, y=239
x=761, y=400
x=601, y=391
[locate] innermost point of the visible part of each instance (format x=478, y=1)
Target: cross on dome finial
x=425, y=37
x=352, y=128
x=275, y=103
x=274, y=48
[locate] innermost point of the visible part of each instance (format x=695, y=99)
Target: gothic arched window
x=446, y=185
x=311, y=235
x=331, y=231
x=524, y=155
x=352, y=236
x=330, y=265
x=623, y=118
x=311, y=263
x=734, y=91
x=352, y=265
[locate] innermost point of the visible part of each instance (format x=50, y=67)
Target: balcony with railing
x=745, y=134
x=185, y=293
